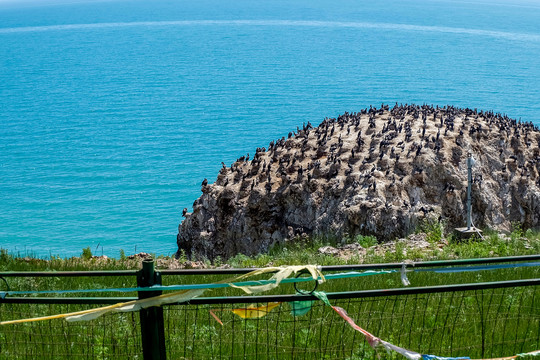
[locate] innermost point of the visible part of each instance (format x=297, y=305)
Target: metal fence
x=479, y=320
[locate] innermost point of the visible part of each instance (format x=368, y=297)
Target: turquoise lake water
x=113, y=112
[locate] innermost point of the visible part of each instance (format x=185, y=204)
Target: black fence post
x=152, y=328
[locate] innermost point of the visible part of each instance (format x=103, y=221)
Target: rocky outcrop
x=377, y=172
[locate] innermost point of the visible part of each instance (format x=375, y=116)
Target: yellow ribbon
x=250, y=312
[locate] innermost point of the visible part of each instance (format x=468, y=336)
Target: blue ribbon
x=202, y=286
x=351, y=274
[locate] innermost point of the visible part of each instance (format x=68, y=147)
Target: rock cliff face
x=377, y=172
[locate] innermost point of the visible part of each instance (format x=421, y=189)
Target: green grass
x=493, y=245
x=518, y=242
x=493, y=322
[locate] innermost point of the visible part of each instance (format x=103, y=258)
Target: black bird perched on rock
x=184, y=212
x=204, y=182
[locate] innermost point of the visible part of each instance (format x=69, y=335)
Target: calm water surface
x=113, y=112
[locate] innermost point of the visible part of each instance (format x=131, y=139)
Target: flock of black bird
x=386, y=142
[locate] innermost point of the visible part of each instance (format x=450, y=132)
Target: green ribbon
x=321, y=295
x=300, y=308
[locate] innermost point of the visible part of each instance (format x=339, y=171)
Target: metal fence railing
x=478, y=320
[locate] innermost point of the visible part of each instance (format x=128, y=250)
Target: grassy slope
x=446, y=324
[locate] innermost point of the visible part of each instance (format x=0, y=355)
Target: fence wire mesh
x=484, y=323
x=114, y=336
x=481, y=324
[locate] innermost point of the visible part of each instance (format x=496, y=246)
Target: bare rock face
x=377, y=172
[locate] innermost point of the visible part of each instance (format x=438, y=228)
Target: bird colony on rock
x=376, y=172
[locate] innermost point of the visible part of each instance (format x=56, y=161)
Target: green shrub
x=434, y=230
x=4, y=256
x=366, y=241
x=517, y=231
x=86, y=253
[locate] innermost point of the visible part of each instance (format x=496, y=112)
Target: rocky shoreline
x=376, y=172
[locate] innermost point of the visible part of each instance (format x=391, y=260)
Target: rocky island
x=379, y=172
